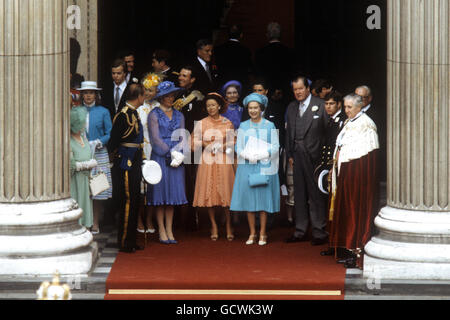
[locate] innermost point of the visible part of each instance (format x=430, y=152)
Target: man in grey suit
x=306, y=126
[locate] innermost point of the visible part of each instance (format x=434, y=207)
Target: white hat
x=152, y=173
x=89, y=85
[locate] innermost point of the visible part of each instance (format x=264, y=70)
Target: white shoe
x=262, y=240
x=151, y=231
x=251, y=240
x=140, y=230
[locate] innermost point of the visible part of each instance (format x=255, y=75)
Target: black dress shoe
x=328, y=252
x=350, y=263
x=294, y=239
x=319, y=242
x=140, y=248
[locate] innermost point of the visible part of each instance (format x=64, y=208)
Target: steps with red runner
x=200, y=269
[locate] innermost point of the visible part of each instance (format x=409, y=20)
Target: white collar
x=357, y=116
x=307, y=101
x=366, y=108
x=336, y=114
x=122, y=86
x=166, y=71
x=274, y=41
x=203, y=62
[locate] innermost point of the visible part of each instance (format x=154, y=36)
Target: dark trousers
x=310, y=204
x=127, y=199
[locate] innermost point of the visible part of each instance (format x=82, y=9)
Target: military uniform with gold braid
x=126, y=144
x=321, y=174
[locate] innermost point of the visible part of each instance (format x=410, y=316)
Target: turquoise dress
x=263, y=198
x=79, y=181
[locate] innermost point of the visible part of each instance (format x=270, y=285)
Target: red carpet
x=197, y=267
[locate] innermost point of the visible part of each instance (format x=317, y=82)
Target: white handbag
x=98, y=183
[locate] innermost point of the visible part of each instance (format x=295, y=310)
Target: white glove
x=244, y=155
x=86, y=165
x=253, y=157
x=216, y=148
x=177, y=159
x=262, y=155
x=99, y=144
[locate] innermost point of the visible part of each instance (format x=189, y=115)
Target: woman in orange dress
x=215, y=175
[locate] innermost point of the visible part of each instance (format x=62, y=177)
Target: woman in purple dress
x=232, y=93
x=168, y=139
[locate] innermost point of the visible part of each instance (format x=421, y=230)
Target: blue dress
x=263, y=198
x=234, y=114
x=171, y=190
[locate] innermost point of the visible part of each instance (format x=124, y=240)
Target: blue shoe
x=164, y=241
x=173, y=241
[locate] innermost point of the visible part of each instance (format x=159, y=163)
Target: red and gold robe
x=355, y=186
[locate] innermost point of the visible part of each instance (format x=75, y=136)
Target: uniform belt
x=132, y=145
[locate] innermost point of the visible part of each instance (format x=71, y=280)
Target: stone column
x=39, y=230
x=414, y=229
x=87, y=37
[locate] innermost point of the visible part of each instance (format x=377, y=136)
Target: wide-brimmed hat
x=166, y=88
x=89, y=86
x=152, y=173
x=321, y=175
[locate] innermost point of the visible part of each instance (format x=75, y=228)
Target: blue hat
x=262, y=100
x=223, y=91
x=166, y=88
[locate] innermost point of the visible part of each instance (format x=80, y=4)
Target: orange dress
x=215, y=174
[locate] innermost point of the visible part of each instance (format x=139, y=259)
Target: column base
x=410, y=245
x=42, y=238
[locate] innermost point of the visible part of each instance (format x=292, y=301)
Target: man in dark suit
x=115, y=92
x=161, y=63
x=207, y=76
x=333, y=106
x=233, y=59
x=130, y=62
x=275, y=61
x=305, y=135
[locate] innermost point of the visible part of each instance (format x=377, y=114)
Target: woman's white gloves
x=255, y=155
x=177, y=159
x=86, y=165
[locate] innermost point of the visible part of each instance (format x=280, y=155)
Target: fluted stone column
x=414, y=228
x=39, y=230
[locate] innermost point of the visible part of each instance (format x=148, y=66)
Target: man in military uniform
x=126, y=146
x=333, y=107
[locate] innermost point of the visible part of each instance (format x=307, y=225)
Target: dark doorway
x=330, y=38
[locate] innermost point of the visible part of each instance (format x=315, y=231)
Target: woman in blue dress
x=168, y=139
x=98, y=132
x=232, y=93
x=257, y=185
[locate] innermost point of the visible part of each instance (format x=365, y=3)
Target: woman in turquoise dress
x=81, y=164
x=257, y=185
